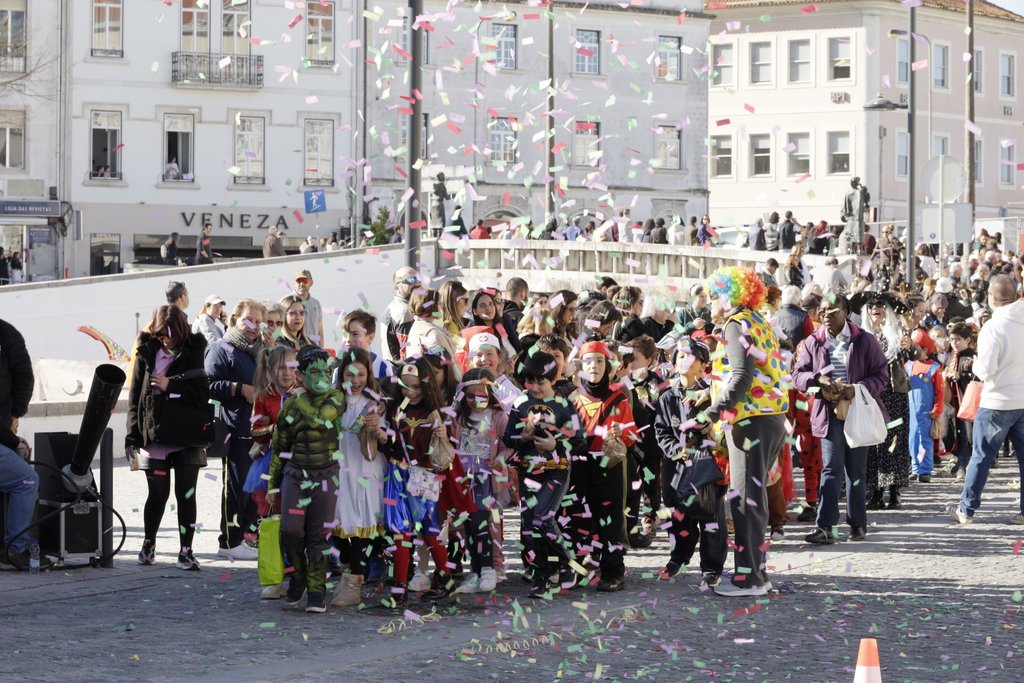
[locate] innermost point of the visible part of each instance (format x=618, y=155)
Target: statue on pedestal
x=854, y=206
x=438, y=213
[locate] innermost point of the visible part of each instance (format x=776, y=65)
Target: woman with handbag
x=887, y=462
x=170, y=423
x=598, y=478
x=836, y=357
x=959, y=374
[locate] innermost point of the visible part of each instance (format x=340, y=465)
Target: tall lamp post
x=413, y=213
x=882, y=104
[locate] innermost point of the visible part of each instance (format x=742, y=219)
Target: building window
x=195, y=26
x=940, y=145
x=1007, y=165
x=234, y=33
x=178, y=146
x=940, y=66
x=503, y=140
x=586, y=143
x=249, y=150
x=902, y=155
x=799, y=150
x=668, y=148
x=723, y=69
x=506, y=41
x=424, y=132
x=588, y=52
x=670, y=58
x=12, y=36
x=978, y=166
x=839, y=152
x=104, y=253
x=799, y=61
x=840, y=64
x=106, y=144
x=106, y=28
x=760, y=62
x=902, y=60
x=977, y=71
x=407, y=46
x=12, y=139
x=320, y=35
x=1007, y=75
x=760, y=155
x=721, y=156
x=318, y=158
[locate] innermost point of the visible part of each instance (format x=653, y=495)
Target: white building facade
x=788, y=82
x=630, y=108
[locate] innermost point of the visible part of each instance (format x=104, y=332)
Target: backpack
x=163, y=250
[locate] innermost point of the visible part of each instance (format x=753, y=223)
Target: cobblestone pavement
x=944, y=603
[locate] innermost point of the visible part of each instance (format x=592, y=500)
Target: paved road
x=944, y=603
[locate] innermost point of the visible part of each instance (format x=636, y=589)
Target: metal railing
x=13, y=58
x=204, y=68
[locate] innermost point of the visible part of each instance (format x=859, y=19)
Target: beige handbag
x=441, y=452
x=614, y=451
x=842, y=409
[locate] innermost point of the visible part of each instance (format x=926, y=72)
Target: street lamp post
x=883, y=104
x=412, y=207
x=549, y=185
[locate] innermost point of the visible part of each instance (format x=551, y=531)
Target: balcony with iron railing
x=206, y=69
x=13, y=58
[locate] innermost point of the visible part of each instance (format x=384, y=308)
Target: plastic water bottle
x=33, y=558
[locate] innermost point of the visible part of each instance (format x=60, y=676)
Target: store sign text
x=245, y=221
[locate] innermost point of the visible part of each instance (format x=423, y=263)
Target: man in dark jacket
x=835, y=358
x=17, y=478
x=787, y=232
x=517, y=291
x=204, y=246
x=790, y=318
x=397, y=320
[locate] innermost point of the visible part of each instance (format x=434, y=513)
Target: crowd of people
x=604, y=418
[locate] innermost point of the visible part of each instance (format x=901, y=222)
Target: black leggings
x=159, y=480
x=481, y=548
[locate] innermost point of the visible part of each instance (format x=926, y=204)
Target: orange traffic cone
x=868, y=670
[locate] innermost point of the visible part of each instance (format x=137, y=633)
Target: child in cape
x=304, y=475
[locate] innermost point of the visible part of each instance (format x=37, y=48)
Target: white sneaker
x=275, y=592
x=419, y=583
x=1017, y=520
x=730, y=590
x=958, y=515
x=471, y=584
x=240, y=552
x=778, y=536
x=488, y=581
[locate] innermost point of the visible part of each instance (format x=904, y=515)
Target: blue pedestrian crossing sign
x=316, y=202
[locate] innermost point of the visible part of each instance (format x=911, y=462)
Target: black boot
x=894, y=498
x=877, y=502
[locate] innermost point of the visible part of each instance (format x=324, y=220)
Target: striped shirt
x=838, y=352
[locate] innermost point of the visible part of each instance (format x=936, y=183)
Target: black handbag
x=179, y=423
x=696, y=488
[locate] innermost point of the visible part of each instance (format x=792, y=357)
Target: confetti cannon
x=75, y=519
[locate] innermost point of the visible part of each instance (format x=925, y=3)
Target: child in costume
x=418, y=492
x=274, y=382
x=599, y=475
x=476, y=430
x=927, y=395
x=358, y=512
x=543, y=433
x=680, y=436
x=560, y=351
x=644, y=460
x=486, y=351
x=304, y=474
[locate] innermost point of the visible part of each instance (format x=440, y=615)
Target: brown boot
x=348, y=592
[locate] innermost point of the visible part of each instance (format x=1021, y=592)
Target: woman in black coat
x=168, y=367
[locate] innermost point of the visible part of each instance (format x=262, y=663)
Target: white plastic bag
x=865, y=425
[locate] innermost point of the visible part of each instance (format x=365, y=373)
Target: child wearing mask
x=680, y=437
x=476, y=430
x=543, y=433
x=305, y=468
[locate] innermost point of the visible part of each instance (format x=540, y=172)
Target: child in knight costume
x=304, y=474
